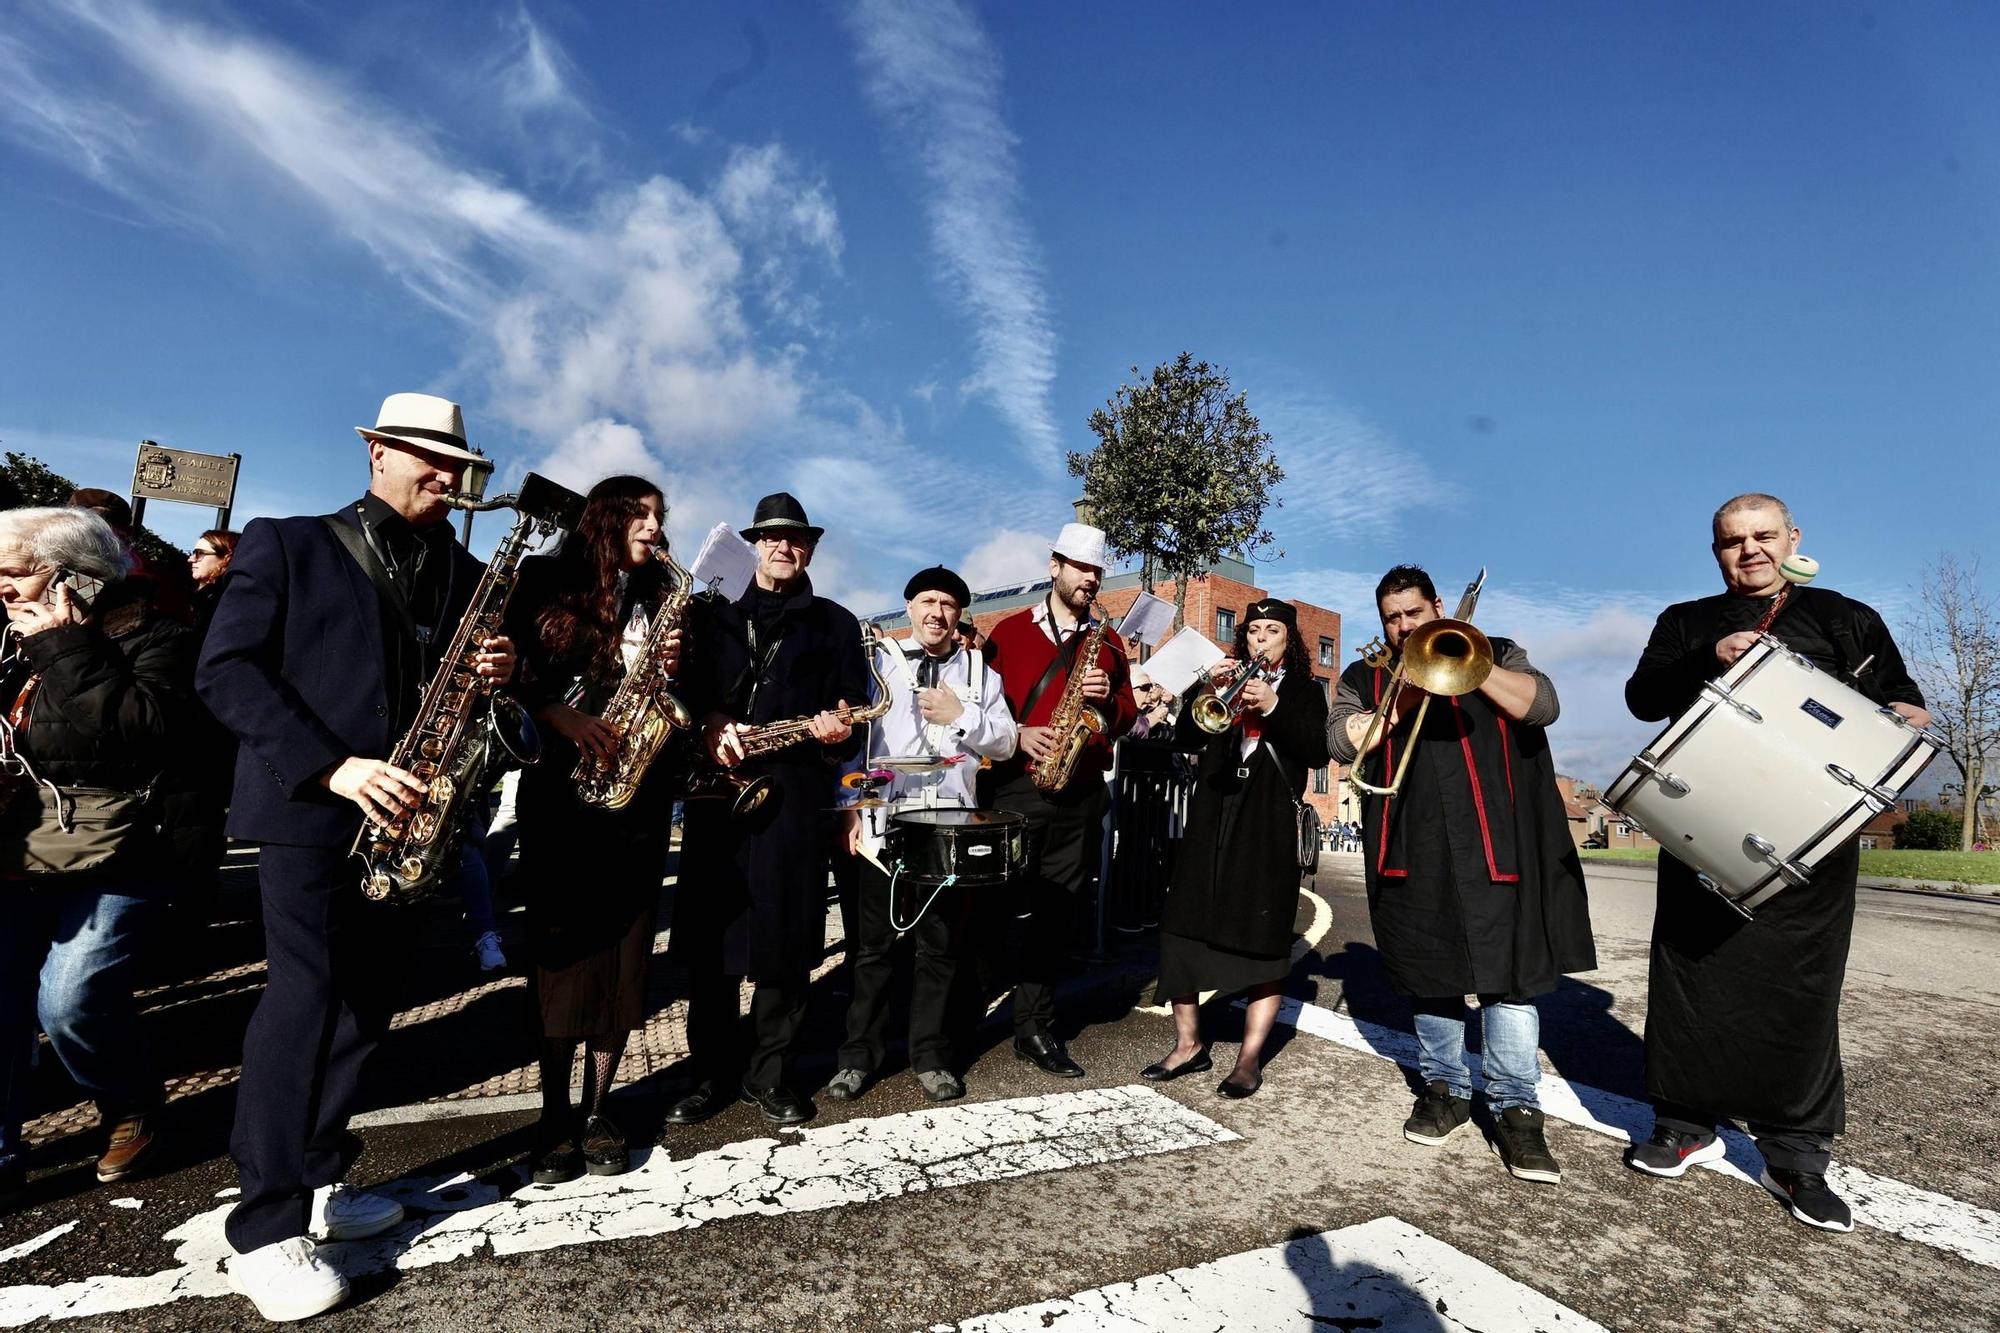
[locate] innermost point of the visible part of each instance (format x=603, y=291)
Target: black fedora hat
x=778, y=512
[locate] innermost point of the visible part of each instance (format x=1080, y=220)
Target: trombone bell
x=1448, y=657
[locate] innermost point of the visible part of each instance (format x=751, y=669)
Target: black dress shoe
x=780, y=1105
x=557, y=1161
x=1160, y=1073
x=1047, y=1054
x=604, y=1151
x=1236, y=1092
x=697, y=1106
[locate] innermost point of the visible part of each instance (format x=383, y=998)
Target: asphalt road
x=891, y=1214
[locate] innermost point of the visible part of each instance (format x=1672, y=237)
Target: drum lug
x=1716, y=889
x=1767, y=852
x=1878, y=799
x=1722, y=695
x=1673, y=782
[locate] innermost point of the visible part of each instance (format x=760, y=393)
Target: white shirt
x=985, y=730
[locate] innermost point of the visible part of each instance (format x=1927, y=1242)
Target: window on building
x=1225, y=626
x=1325, y=687
x=1867, y=844
x=1624, y=830
x=1320, y=787
x=1326, y=651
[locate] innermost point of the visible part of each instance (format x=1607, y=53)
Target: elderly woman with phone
x=95, y=684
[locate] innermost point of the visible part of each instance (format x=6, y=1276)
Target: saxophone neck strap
x=359, y=543
x=1064, y=662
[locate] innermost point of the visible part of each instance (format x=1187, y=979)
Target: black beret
x=1270, y=608
x=938, y=579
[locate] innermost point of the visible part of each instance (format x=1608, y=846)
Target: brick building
x=1216, y=600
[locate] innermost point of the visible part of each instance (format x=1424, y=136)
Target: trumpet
x=1440, y=657
x=1217, y=711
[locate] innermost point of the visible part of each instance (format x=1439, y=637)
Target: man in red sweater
x=1034, y=651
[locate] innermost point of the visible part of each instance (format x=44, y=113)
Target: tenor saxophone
x=1074, y=721
x=644, y=710
x=461, y=731
x=746, y=793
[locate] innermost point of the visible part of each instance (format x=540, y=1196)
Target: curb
x=1643, y=870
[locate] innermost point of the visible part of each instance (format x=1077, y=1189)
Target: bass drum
x=1775, y=767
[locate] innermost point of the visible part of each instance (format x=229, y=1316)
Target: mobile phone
x=83, y=589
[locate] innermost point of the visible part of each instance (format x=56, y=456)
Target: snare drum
x=1775, y=767
x=934, y=848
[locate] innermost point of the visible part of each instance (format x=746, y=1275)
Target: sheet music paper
x=1187, y=655
x=726, y=562
x=1148, y=621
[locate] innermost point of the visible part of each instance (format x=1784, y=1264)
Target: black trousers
x=1065, y=844
x=325, y=1006
x=872, y=952
x=1786, y=1149
x=719, y=1049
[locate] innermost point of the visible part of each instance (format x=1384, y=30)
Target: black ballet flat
x=1236, y=1092
x=1159, y=1073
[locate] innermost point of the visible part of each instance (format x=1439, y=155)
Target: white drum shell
x=1766, y=768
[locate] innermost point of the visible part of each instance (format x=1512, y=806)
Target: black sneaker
x=1518, y=1139
x=1806, y=1193
x=1437, y=1115
x=1670, y=1154
x=604, y=1151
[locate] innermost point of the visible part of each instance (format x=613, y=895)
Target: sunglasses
x=200, y=551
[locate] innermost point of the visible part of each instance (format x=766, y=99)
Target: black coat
x=751, y=895
x=1474, y=885
x=116, y=696
x=1743, y=1017
x=1236, y=874
x=295, y=664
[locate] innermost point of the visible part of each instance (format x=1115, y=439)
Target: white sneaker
x=340, y=1212
x=487, y=949
x=287, y=1280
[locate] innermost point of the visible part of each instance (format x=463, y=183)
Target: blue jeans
x=66, y=962
x=1510, y=1034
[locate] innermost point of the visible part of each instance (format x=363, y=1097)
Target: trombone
x=1215, y=711
x=1448, y=657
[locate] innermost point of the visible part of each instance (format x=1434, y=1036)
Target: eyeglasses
x=200, y=551
x=797, y=540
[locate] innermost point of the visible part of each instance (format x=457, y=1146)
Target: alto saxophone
x=644, y=710
x=461, y=731
x=747, y=793
x=1074, y=721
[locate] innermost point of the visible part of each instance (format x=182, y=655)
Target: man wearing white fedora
x=327, y=631
x=1035, y=653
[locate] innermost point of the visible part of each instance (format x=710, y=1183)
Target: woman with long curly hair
x=1227, y=923
x=591, y=876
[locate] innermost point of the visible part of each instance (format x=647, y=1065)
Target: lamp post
x=473, y=483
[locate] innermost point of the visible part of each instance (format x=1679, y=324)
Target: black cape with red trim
x=1474, y=886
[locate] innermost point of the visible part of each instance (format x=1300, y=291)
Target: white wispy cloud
x=929, y=66
x=1346, y=479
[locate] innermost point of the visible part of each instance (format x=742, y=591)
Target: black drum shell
x=978, y=846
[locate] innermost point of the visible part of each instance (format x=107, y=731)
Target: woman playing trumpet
x=591, y=876
x=1227, y=923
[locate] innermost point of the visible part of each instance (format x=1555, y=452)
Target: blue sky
x=1529, y=286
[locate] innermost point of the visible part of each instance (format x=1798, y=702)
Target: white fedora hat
x=1081, y=544
x=421, y=421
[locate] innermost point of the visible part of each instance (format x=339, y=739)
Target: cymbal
x=865, y=803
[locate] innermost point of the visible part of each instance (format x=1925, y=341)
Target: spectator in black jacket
x=96, y=683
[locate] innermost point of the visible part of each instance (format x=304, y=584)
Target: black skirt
x=1190, y=966
x=591, y=879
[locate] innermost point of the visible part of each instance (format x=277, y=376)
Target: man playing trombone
x=1474, y=887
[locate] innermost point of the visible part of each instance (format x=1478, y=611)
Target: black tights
x=600, y=1066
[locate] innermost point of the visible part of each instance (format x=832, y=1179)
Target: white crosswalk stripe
x=834, y=1166
x=1384, y=1274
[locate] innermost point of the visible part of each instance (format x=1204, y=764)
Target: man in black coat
x=318, y=673
x=750, y=899
x=1474, y=887
x=1743, y=1017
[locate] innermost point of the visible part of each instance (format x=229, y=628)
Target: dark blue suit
x=295, y=664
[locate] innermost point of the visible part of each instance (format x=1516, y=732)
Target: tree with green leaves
x=1181, y=474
